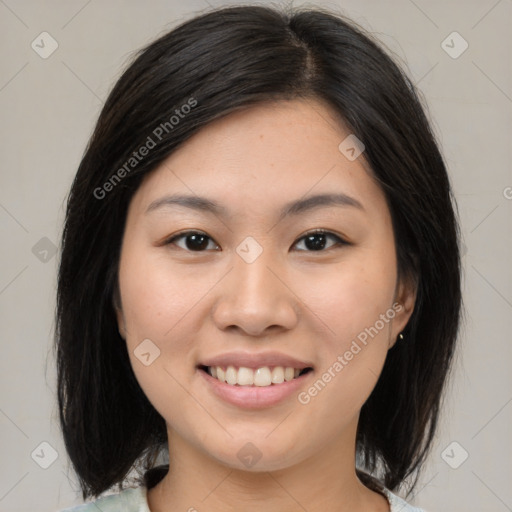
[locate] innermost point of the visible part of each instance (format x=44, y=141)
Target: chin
x=255, y=453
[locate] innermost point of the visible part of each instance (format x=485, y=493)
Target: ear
x=121, y=322
x=405, y=299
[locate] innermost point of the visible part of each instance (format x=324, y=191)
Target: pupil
x=195, y=245
x=315, y=242
x=320, y=244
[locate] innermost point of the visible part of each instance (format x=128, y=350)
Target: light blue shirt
x=134, y=500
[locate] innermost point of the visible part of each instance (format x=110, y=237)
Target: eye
x=197, y=241
x=194, y=240
x=316, y=240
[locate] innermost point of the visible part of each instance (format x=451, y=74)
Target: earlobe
x=116, y=304
x=121, y=324
x=405, y=299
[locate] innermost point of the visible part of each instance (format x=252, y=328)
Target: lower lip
x=254, y=397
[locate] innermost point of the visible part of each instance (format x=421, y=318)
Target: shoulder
x=128, y=500
x=398, y=504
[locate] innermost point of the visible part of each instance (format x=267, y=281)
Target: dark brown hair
x=226, y=60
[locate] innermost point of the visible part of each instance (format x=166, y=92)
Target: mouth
x=264, y=376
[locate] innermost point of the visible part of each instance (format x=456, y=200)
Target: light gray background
x=48, y=110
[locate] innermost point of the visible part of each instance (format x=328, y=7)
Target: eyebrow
x=296, y=207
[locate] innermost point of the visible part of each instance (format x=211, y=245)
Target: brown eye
x=316, y=241
x=194, y=241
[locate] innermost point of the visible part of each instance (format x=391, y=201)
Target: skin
x=305, y=303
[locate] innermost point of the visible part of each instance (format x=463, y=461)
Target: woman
x=260, y=274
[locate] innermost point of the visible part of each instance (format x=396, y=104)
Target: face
x=235, y=277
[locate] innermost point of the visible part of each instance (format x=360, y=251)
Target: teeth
x=278, y=375
x=245, y=377
x=231, y=375
x=262, y=377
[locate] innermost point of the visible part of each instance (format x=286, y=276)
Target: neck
x=324, y=482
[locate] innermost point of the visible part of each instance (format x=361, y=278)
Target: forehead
x=264, y=156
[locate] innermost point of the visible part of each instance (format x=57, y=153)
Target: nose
x=256, y=297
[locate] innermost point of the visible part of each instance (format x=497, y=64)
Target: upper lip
x=255, y=360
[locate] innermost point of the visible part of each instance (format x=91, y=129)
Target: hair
x=217, y=63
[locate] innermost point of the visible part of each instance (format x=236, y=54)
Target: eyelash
x=340, y=241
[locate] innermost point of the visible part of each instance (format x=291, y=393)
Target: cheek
x=352, y=307
x=349, y=299
x=156, y=296
x=157, y=304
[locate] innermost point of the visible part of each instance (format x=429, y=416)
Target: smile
x=261, y=377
